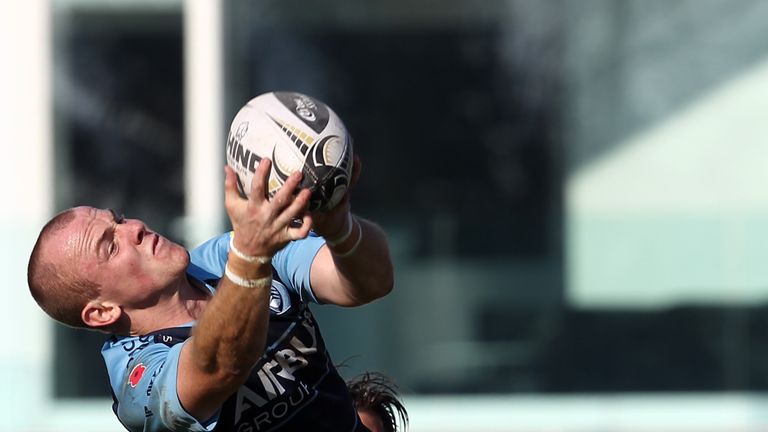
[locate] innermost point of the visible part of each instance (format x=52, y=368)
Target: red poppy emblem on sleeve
x=136, y=374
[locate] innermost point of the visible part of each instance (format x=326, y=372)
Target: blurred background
x=574, y=192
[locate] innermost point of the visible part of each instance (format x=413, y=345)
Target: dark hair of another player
x=375, y=392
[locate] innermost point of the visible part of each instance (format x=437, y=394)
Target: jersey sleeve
x=292, y=263
x=146, y=391
x=211, y=256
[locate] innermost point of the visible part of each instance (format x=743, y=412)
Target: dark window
x=119, y=143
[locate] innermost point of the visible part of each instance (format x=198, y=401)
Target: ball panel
x=295, y=141
x=312, y=112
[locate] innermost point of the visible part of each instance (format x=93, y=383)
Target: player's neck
x=184, y=304
x=194, y=295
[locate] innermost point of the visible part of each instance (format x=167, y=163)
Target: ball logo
x=305, y=108
x=136, y=374
x=242, y=129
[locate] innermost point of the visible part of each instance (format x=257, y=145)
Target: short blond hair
x=60, y=292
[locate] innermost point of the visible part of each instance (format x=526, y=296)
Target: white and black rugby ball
x=296, y=132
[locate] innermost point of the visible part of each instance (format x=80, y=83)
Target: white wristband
x=354, y=248
x=247, y=283
x=343, y=237
x=248, y=258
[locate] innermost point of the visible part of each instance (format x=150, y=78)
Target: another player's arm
x=354, y=267
x=230, y=335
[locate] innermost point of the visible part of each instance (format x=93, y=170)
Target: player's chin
x=176, y=256
x=185, y=256
x=180, y=264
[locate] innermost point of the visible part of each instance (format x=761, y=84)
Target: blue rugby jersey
x=293, y=387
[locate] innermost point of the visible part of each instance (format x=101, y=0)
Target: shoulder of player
x=119, y=349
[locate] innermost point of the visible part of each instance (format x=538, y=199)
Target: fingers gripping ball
x=298, y=133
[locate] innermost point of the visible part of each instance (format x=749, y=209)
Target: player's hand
x=263, y=226
x=331, y=223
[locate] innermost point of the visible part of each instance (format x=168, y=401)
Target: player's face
x=131, y=264
x=371, y=420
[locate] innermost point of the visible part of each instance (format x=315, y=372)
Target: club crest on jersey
x=279, y=300
x=136, y=374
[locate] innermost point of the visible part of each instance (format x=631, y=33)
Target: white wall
x=25, y=134
x=677, y=212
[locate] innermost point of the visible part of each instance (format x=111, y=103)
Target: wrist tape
x=348, y=231
x=354, y=247
x=245, y=257
x=247, y=283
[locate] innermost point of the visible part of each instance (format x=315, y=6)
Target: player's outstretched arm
x=230, y=335
x=354, y=267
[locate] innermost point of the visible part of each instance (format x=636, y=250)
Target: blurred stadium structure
x=574, y=190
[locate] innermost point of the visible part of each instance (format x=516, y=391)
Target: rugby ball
x=297, y=132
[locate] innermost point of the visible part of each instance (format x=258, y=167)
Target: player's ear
x=99, y=314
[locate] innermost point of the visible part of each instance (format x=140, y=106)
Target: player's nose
x=134, y=230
